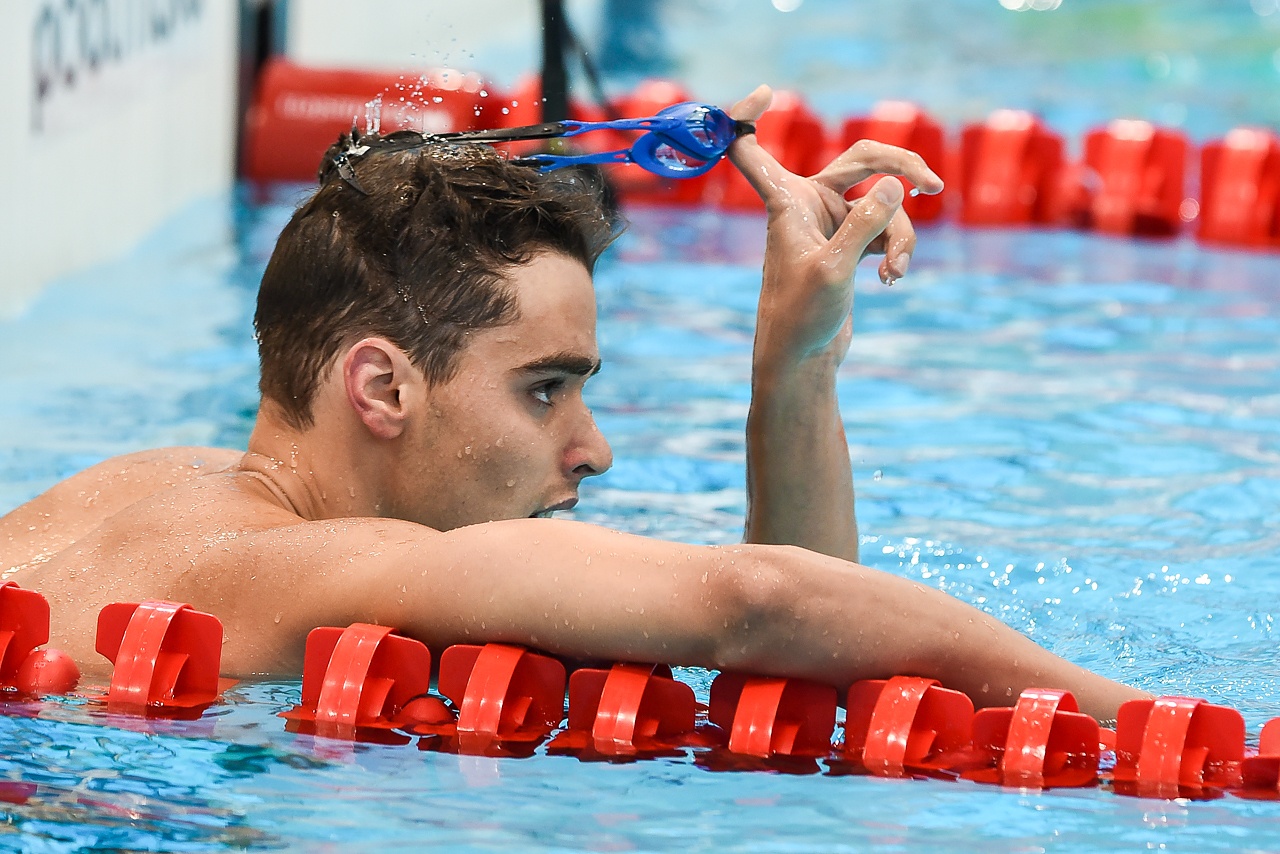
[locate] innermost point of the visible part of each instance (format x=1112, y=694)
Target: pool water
x=1075, y=433
x=1078, y=434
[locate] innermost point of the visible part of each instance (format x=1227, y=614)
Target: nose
x=588, y=454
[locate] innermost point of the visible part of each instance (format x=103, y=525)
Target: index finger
x=764, y=173
x=867, y=157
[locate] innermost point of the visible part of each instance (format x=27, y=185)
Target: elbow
x=753, y=606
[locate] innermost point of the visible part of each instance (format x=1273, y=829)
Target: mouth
x=545, y=513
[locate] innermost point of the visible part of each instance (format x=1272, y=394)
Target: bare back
x=124, y=530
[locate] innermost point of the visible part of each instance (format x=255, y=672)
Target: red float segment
x=905, y=723
x=47, y=671
x=298, y=112
x=628, y=710
x=1260, y=774
x=1042, y=742
x=502, y=692
x=24, y=625
x=907, y=126
x=360, y=677
x=772, y=716
x=166, y=654
x=792, y=133
x=1138, y=172
x=629, y=703
x=1269, y=740
x=1171, y=744
x=1240, y=189
x=1009, y=170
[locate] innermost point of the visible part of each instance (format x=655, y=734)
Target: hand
x=816, y=237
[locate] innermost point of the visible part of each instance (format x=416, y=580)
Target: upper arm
x=564, y=587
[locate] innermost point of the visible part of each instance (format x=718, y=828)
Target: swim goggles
x=682, y=141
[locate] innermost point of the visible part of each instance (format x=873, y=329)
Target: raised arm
x=799, y=481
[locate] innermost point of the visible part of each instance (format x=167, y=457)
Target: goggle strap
x=546, y=162
x=547, y=130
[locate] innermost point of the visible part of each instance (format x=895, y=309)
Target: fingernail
x=915, y=191
x=900, y=265
x=889, y=191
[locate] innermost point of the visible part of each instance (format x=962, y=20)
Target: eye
x=545, y=392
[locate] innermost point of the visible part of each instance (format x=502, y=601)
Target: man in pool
x=426, y=326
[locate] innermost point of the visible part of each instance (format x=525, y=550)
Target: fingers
x=868, y=157
x=876, y=218
x=899, y=238
x=766, y=176
x=752, y=107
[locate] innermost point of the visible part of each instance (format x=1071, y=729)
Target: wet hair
x=411, y=243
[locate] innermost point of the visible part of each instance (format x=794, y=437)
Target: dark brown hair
x=411, y=244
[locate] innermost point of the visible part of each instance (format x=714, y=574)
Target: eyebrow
x=562, y=363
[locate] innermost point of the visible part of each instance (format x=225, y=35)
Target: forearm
x=585, y=592
x=838, y=623
x=799, y=481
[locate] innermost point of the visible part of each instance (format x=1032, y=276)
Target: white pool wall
x=137, y=118
x=120, y=113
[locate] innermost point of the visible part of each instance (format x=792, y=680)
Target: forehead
x=557, y=315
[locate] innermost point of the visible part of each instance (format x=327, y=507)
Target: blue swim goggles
x=682, y=141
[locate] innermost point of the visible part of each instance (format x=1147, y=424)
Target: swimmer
x=425, y=332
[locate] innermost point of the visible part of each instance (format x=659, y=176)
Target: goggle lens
x=675, y=160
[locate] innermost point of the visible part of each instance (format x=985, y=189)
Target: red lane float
x=1133, y=180
x=769, y=716
x=1177, y=747
x=508, y=700
x=1009, y=170
x=1260, y=774
x=298, y=112
x=905, y=125
x=1240, y=189
x=627, y=710
x=24, y=626
x=905, y=725
x=360, y=679
x=365, y=680
x=1042, y=742
x=166, y=656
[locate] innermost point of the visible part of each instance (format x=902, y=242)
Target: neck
x=312, y=472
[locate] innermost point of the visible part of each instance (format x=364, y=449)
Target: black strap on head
x=547, y=130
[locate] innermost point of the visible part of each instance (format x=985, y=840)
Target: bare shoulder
x=68, y=510
x=223, y=545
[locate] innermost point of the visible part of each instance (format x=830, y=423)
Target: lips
x=567, y=504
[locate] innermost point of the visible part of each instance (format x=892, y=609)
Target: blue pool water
x=1078, y=434
x=1075, y=433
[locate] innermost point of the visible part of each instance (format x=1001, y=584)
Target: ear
x=377, y=374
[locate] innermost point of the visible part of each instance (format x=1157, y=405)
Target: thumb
x=867, y=218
